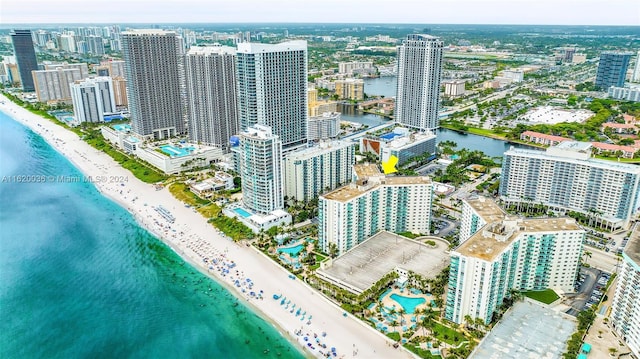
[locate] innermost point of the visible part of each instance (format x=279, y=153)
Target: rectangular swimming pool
x=174, y=151
x=242, y=212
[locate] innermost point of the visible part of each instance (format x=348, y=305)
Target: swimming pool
x=174, y=151
x=242, y=212
x=122, y=127
x=408, y=304
x=292, y=251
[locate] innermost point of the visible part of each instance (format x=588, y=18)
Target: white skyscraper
x=636, y=71
x=211, y=95
x=351, y=214
x=419, y=72
x=154, y=74
x=565, y=178
x=261, y=170
x=510, y=253
x=92, y=98
x=625, y=311
x=272, y=89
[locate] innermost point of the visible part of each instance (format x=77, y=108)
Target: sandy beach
x=300, y=313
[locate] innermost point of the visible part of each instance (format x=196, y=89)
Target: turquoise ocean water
x=80, y=279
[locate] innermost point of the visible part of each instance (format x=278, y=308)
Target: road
x=602, y=260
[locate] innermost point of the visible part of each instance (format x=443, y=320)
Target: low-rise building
x=170, y=158
x=220, y=181
x=631, y=93
x=401, y=143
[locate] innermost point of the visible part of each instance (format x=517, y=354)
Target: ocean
x=80, y=278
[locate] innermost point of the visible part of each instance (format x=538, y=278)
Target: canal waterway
x=491, y=147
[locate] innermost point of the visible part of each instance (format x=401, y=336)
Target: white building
x=513, y=75
x=565, y=178
x=511, y=253
x=631, y=93
x=408, y=147
x=211, y=95
x=261, y=170
x=170, y=158
x=155, y=75
x=325, y=126
x=476, y=212
x=636, y=70
x=354, y=67
x=314, y=170
x=351, y=214
x=454, y=88
x=272, y=89
x=625, y=311
x=220, y=181
x=419, y=72
x=93, y=98
x=402, y=143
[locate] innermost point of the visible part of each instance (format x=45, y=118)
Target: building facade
x=476, y=213
x=612, y=69
x=635, y=77
x=312, y=171
x=419, y=72
x=261, y=169
x=511, y=254
x=272, y=89
x=325, y=126
x=25, y=57
x=631, y=93
x=53, y=86
x=211, y=95
x=82, y=67
x=565, y=178
x=350, y=89
x=154, y=74
x=454, y=88
x=351, y=214
x=625, y=311
x=93, y=98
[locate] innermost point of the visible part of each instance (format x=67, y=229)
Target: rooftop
x=528, y=330
x=367, y=170
x=372, y=259
x=353, y=190
x=487, y=209
x=492, y=239
x=611, y=165
x=632, y=249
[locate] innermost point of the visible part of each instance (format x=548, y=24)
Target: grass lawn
x=546, y=296
x=422, y=353
x=447, y=334
x=209, y=211
x=181, y=191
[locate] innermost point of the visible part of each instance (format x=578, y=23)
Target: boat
x=277, y=296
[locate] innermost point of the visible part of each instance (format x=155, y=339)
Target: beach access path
x=199, y=243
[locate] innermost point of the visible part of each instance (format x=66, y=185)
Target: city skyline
x=525, y=12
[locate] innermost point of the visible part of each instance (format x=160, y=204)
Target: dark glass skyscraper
x=612, y=69
x=25, y=57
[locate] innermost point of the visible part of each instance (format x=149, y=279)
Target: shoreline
x=239, y=269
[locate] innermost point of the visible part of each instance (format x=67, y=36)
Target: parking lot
x=589, y=290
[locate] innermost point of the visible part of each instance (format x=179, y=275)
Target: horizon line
x=7, y=24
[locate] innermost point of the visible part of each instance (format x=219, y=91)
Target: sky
x=544, y=12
